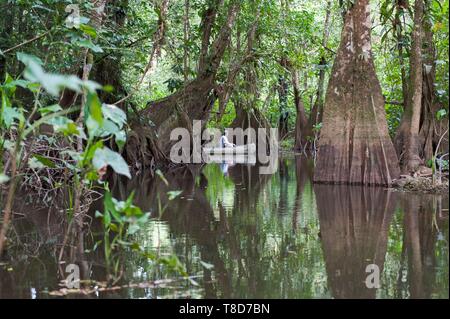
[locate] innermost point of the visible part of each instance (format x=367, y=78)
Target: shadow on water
x=246, y=235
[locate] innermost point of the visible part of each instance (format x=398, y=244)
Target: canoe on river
x=248, y=159
x=240, y=149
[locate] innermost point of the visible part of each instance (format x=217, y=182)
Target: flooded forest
x=224, y=149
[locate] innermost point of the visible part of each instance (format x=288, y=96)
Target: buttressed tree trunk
x=195, y=99
x=355, y=146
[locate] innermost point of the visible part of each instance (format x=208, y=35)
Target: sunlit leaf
x=86, y=43
x=115, y=114
x=441, y=114
x=161, y=175
x=9, y=114
x=174, y=194
x=50, y=109
x=105, y=156
x=95, y=107
x=89, y=30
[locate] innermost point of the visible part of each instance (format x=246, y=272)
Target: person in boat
x=224, y=141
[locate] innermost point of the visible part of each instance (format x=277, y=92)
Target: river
x=239, y=234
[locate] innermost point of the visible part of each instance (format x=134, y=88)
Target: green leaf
x=441, y=114
x=45, y=161
x=4, y=178
x=89, y=30
x=113, y=227
x=109, y=128
x=27, y=58
x=62, y=124
x=161, y=175
x=9, y=114
x=50, y=109
x=174, y=194
x=95, y=108
x=110, y=206
x=108, y=88
x=105, y=156
x=120, y=138
x=22, y=83
x=5, y=99
x=93, y=115
x=91, y=86
x=86, y=43
x=89, y=153
x=52, y=83
x=114, y=114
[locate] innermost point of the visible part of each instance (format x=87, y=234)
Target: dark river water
x=240, y=234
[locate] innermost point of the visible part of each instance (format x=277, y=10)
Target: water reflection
x=246, y=235
x=354, y=233
x=424, y=224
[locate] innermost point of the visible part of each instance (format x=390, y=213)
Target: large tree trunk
x=412, y=155
x=355, y=146
x=105, y=69
x=226, y=89
x=283, y=119
x=402, y=131
x=302, y=127
x=427, y=135
x=317, y=109
x=430, y=130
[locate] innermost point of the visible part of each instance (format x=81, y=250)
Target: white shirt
x=224, y=142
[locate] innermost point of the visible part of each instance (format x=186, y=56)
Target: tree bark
x=316, y=112
x=208, y=21
x=402, y=131
x=186, y=33
x=355, y=146
x=412, y=155
x=302, y=127
x=225, y=90
x=105, y=69
x=283, y=89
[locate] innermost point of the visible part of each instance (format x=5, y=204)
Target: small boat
x=240, y=149
x=248, y=159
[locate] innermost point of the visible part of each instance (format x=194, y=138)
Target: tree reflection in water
x=354, y=224
x=248, y=235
